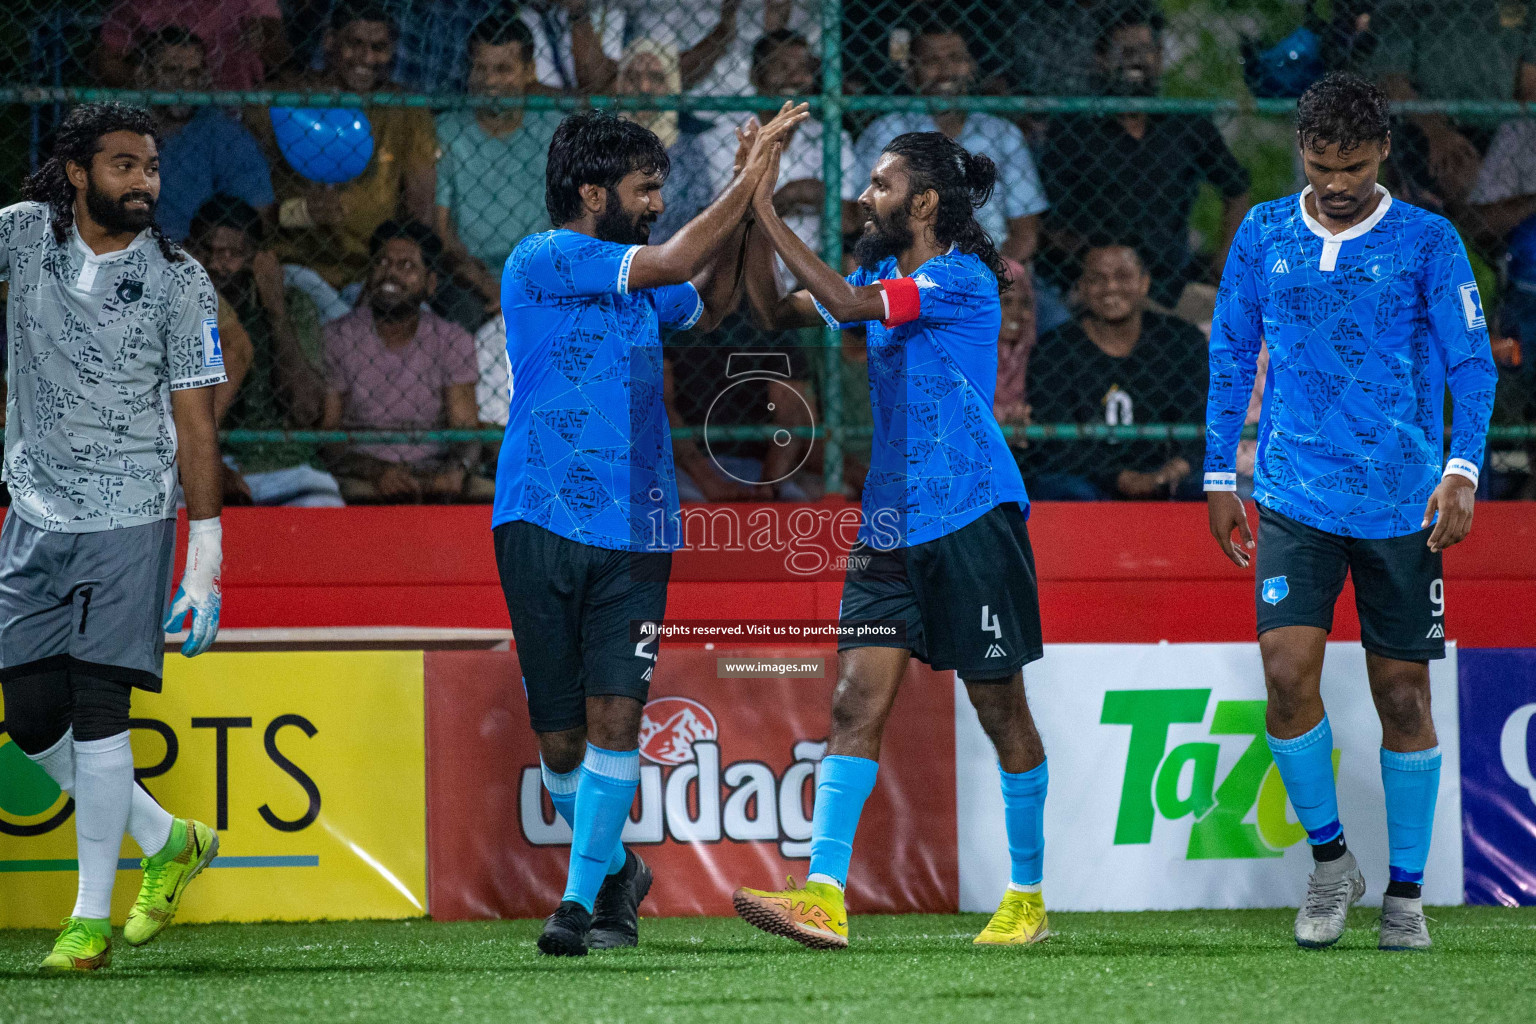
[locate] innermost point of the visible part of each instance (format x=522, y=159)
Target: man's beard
x=614, y=225
x=1117, y=84
x=890, y=237
x=395, y=307
x=113, y=214
x=236, y=287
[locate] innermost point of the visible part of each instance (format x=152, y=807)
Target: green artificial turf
x=1100, y=968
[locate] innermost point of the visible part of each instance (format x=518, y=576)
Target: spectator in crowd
x=327, y=227
x=284, y=389
x=1015, y=340
x=576, y=42
x=244, y=38
x=1054, y=42
x=703, y=35
x=1471, y=50
x=1136, y=176
x=432, y=50
x=1504, y=200
x=649, y=68
x=393, y=365
x=1118, y=364
x=754, y=379
x=490, y=176
x=941, y=65
x=1504, y=195
x=716, y=56
x=783, y=64
x=203, y=150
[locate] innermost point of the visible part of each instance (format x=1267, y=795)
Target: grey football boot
x=1331, y=888
x=1402, y=924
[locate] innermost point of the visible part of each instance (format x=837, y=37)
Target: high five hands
x=767, y=143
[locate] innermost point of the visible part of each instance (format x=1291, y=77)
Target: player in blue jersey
x=1369, y=310
x=586, y=511
x=944, y=512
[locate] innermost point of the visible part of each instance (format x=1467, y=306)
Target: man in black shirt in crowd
x=1136, y=176
x=1119, y=364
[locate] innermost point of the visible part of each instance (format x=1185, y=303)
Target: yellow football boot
x=166, y=877
x=1019, y=921
x=813, y=915
x=83, y=946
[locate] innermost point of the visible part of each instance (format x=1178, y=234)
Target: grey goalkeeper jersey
x=97, y=345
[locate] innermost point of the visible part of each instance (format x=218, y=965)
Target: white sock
x=103, y=795
x=148, y=822
x=825, y=879
x=1016, y=887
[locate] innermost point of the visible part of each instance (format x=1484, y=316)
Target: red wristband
x=902, y=302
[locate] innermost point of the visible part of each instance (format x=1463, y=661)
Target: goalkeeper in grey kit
x=114, y=355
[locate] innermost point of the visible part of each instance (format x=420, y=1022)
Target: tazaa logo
x=687, y=796
x=1181, y=782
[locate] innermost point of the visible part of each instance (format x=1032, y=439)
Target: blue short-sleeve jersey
x=939, y=460
x=1366, y=329
x=588, y=450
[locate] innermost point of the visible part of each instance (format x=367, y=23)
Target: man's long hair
x=964, y=182
x=78, y=141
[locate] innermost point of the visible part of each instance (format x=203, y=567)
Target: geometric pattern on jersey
x=939, y=460
x=588, y=449
x=97, y=345
x=1365, y=331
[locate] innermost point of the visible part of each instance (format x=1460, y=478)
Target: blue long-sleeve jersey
x=1365, y=330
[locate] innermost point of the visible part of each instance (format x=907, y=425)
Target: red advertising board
x=726, y=781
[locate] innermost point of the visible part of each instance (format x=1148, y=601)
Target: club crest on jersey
x=1275, y=589
x=1472, y=306
x=130, y=290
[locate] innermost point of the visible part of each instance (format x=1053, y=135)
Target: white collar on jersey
x=1333, y=242
x=89, y=254
x=1348, y=233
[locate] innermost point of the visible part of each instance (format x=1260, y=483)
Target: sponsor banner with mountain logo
x=727, y=776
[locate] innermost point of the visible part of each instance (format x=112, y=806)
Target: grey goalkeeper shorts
x=93, y=600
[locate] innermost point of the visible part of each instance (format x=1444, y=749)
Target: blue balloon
x=1285, y=69
x=329, y=145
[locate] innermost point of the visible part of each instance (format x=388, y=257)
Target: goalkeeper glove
x=199, y=590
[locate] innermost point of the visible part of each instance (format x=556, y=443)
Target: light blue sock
x=845, y=784
x=1024, y=817
x=1412, y=781
x=562, y=793
x=1306, y=768
x=604, y=793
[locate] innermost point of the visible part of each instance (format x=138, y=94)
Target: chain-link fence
x=354, y=173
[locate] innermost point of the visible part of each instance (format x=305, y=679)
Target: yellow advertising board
x=309, y=765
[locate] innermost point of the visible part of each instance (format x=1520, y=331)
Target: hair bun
x=980, y=178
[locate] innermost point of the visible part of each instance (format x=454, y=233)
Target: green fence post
x=832, y=228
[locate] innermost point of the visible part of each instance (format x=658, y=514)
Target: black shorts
x=576, y=613
x=968, y=600
x=1399, y=591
